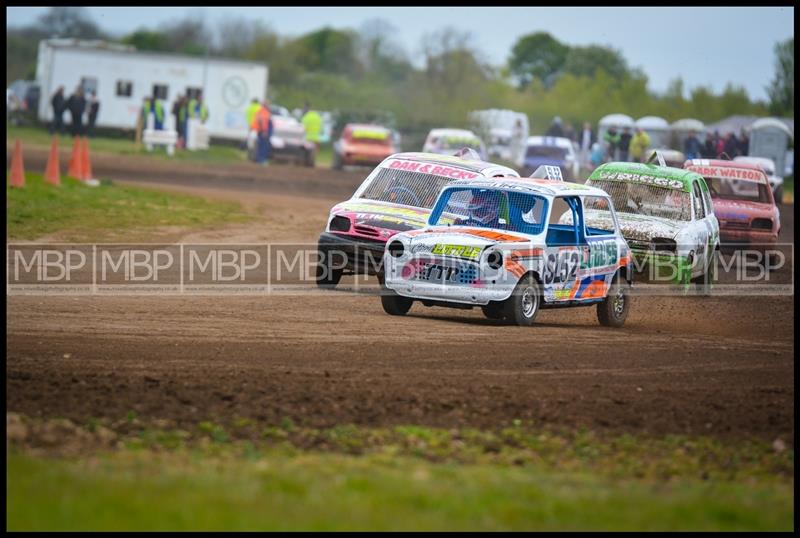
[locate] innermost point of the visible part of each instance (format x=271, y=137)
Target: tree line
x=366, y=69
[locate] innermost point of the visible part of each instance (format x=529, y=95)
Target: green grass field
x=401, y=478
x=220, y=154
x=82, y=213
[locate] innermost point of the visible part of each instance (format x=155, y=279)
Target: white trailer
x=123, y=77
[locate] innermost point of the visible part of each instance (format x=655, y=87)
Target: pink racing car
x=396, y=197
x=743, y=202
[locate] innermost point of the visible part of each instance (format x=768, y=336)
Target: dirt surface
x=720, y=366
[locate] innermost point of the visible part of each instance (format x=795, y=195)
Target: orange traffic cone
x=86, y=164
x=52, y=174
x=17, y=169
x=74, y=169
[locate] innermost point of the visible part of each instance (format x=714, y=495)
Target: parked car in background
x=743, y=202
x=362, y=144
x=551, y=151
x=449, y=141
x=768, y=165
x=288, y=139
x=397, y=196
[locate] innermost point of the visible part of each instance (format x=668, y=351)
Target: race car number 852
x=561, y=267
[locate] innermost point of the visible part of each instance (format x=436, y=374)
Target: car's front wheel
x=395, y=305
x=523, y=305
x=779, y=195
x=493, y=311
x=613, y=311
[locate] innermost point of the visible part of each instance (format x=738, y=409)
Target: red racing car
x=743, y=202
x=362, y=145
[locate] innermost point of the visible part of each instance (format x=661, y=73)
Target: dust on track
x=718, y=366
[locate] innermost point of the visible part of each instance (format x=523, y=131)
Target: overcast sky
x=704, y=46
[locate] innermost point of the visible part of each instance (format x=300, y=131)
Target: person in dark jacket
x=744, y=144
x=58, y=104
x=624, y=144
x=555, y=128
x=77, y=106
x=732, y=145
x=94, y=108
x=709, y=150
x=178, y=112
x=691, y=146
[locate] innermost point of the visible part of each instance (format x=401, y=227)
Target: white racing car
x=494, y=243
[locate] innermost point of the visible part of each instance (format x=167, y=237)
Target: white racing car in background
x=492, y=242
x=448, y=141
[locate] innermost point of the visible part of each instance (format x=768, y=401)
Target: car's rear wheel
x=523, y=305
x=613, y=311
x=395, y=305
x=493, y=311
x=337, y=161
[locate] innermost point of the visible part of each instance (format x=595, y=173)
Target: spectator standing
x=732, y=146
x=261, y=125
x=611, y=139
x=744, y=143
x=77, y=106
x=569, y=132
x=158, y=113
x=691, y=146
x=312, y=122
x=94, y=109
x=178, y=113
x=555, y=128
x=720, y=141
x=624, y=144
x=710, y=147
x=201, y=110
x=598, y=155
x=58, y=104
x=586, y=140
x=638, y=145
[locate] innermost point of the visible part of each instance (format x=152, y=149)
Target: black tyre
x=523, y=305
x=613, y=311
x=779, y=195
x=395, y=305
x=705, y=281
x=493, y=311
x=309, y=159
x=328, y=278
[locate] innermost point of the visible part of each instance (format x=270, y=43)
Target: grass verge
x=82, y=213
x=245, y=476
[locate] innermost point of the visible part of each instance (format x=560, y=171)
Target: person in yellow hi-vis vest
x=251, y=111
x=312, y=122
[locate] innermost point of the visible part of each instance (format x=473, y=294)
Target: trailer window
x=89, y=85
x=193, y=93
x=124, y=88
x=160, y=91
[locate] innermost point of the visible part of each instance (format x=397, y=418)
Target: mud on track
x=722, y=366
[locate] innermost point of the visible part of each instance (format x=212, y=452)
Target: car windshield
x=738, y=189
x=648, y=200
x=456, y=142
x=490, y=208
x=404, y=187
x=549, y=152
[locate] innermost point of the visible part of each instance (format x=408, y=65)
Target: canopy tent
x=657, y=128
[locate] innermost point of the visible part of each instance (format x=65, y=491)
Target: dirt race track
x=720, y=366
